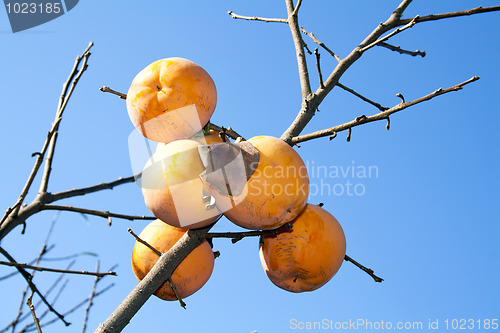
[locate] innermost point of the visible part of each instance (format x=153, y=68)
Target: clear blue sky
x=427, y=220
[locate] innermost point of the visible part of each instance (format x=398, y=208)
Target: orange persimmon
x=191, y=274
x=307, y=256
x=172, y=187
x=274, y=194
x=171, y=99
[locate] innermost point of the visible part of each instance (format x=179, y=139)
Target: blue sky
x=427, y=220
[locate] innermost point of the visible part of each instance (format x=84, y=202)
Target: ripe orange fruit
x=172, y=187
x=307, y=256
x=191, y=274
x=171, y=99
x=275, y=193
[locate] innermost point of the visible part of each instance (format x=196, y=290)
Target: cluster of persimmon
x=197, y=174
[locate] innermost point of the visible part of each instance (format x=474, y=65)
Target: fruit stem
x=368, y=271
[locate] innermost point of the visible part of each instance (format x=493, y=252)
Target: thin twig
x=364, y=269
x=76, y=307
x=91, y=298
x=32, y=262
x=158, y=253
x=384, y=115
x=293, y=23
x=297, y=7
x=104, y=214
x=59, y=293
x=310, y=34
x=313, y=100
x=74, y=77
x=237, y=236
x=33, y=287
x=50, y=138
x=174, y=288
x=318, y=66
x=91, y=189
x=109, y=90
x=377, y=105
x=395, y=32
x=32, y=309
x=228, y=131
x=435, y=17
x=140, y=240
x=54, y=270
x=402, y=51
x=255, y=18
x=43, y=251
x=21, y=316
x=18, y=318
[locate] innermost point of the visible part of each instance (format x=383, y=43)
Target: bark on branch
x=49, y=144
x=313, y=101
x=256, y=18
x=384, y=115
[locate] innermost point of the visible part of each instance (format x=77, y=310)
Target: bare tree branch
x=310, y=34
x=402, y=51
x=384, y=115
x=99, y=213
x=33, y=287
x=55, y=270
x=28, y=328
x=91, y=299
x=313, y=101
x=19, y=318
x=228, y=131
x=368, y=271
x=143, y=242
x=293, y=23
x=307, y=111
x=435, y=17
x=255, y=18
x=318, y=66
x=91, y=189
x=49, y=144
x=32, y=309
x=297, y=7
x=74, y=77
x=237, y=236
x=377, y=105
x=109, y=90
x=395, y=32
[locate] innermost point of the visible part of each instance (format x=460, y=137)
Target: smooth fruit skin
x=172, y=188
x=171, y=99
x=191, y=274
x=276, y=192
x=307, y=256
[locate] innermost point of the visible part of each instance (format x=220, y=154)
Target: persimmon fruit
x=191, y=274
x=308, y=255
x=171, y=99
x=172, y=187
x=274, y=194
